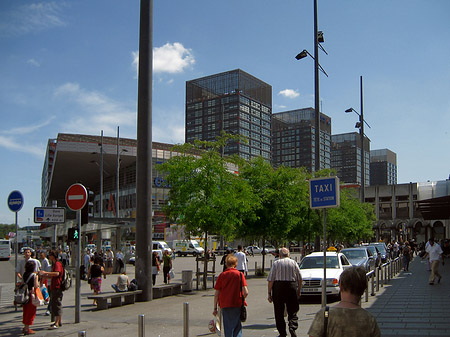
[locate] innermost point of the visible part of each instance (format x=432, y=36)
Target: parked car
x=376, y=254
x=132, y=260
x=252, y=250
x=361, y=257
x=311, y=269
x=382, y=249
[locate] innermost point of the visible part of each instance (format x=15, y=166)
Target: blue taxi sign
x=324, y=192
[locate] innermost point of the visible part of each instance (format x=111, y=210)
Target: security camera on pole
x=76, y=198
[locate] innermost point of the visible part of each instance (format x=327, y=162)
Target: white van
x=185, y=247
x=161, y=245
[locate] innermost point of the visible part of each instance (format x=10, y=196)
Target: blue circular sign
x=15, y=201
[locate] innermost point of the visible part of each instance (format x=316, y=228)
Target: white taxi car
x=311, y=269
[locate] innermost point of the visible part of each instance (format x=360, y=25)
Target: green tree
x=281, y=200
x=352, y=221
x=205, y=195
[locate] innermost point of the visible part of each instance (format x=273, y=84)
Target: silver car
x=361, y=257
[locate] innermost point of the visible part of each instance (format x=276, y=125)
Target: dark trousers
x=166, y=273
x=285, y=295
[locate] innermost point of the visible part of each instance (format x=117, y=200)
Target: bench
x=116, y=298
x=164, y=290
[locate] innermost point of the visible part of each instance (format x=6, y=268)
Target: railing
x=382, y=275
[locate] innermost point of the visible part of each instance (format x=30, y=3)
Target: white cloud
x=33, y=62
x=289, y=93
x=31, y=18
x=94, y=111
x=10, y=143
x=170, y=58
x=27, y=129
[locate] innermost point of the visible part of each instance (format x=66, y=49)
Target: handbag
x=171, y=274
x=243, y=316
x=36, y=298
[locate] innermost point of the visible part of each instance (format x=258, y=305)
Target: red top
x=229, y=285
x=56, y=280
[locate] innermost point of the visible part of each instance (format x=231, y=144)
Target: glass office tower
x=234, y=102
x=293, y=139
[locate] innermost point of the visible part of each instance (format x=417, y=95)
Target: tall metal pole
x=324, y=282
x=316, y=91
x=101, y=175
x=361, y=130
x=144, y=154
x=16, y=250
x=77, y=272
x=117, y=176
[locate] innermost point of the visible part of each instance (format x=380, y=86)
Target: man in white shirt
x=242, y=260
x=21, y=263
x=434, y=252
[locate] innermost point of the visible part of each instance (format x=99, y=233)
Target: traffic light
x=73, y=234
x=88, y=210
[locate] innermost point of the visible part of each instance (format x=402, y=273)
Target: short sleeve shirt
x=56, y=280
x=434, y=251
x=284, y=269
x=345, y=322
x=229, y=285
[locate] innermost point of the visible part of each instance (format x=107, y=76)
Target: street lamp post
x=318, y=37
x=360, y=125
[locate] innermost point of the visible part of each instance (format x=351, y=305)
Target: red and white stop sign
x=76, y=197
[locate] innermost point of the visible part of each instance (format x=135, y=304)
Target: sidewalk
x=407, y=306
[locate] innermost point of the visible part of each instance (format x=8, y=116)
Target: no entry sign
x=76, y=197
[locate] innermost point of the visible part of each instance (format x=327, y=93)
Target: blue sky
x=70, y=66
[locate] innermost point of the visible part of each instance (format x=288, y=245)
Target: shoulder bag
x=243, y=316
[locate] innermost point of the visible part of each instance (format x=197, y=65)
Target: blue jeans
x=231, y=322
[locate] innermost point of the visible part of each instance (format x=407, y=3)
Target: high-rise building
x=383, y=167
x=235, y=102
x=346, y=157
x=293, y=139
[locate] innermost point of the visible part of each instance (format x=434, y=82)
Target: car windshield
x=354, y=254
x=381, y=248
x=315, y=262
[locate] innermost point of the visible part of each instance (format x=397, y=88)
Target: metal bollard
x=377, y=273
x=186, y=319
x=256, y=268
x=141, y=326
x=81, y=333
x=373, y=285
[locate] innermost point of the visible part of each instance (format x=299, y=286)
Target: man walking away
x=241, y=260
x=284, y=287
x=434, y=252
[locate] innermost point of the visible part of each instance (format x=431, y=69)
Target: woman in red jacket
x=230, y=287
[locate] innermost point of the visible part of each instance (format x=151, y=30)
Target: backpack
x=66, y=281
x=22, y=294
x=133, y=285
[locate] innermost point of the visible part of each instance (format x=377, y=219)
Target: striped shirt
x=284, y=269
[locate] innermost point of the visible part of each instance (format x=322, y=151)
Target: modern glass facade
x=293, y=139
x=346, y=157
x=383, y=167
x=234, y=102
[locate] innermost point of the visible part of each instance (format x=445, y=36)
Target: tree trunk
x=205, y=263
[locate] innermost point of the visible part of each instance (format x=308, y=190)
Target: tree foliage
x=205, y=195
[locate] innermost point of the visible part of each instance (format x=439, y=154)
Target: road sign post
x=76, y=197
x=15, y=204
x=324, y=193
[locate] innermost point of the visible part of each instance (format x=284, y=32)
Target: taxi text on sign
x=324, y=192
